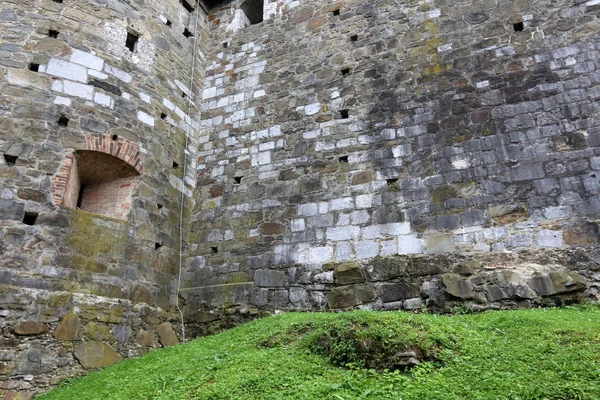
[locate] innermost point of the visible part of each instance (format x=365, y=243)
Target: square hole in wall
x=163, y=116
x=157, y=246
x=53, y=34
x=225, y=45
x=343, y=159
x=57, y=1
x=344, y=114
x=354, y=38
x=519, y=26
x=238, y=179
x=175, y=165
x=392, y=181
x=168, y=22
x=10, y=160
x=215, y=250
x=336, y=12
x=34, y=67
x=63, y=121
x=159, y=206
x=115, y=137
x=131, y=41
x=345, y=71
x=30, y=218
x=187, y=33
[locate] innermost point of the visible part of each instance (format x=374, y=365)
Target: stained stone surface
x=395, y=155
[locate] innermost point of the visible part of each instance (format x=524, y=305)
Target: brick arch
x=120, y=148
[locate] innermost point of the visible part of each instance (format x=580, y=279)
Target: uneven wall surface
x=398, y=154
x=75, y=285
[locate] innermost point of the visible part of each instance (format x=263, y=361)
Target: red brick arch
x=118, y=147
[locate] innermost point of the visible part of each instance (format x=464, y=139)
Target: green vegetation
x=543, y=354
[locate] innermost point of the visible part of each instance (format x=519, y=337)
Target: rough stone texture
x=140, y=107
x=93, y=355
x=394, y=155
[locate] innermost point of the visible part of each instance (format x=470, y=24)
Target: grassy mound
x=546, y=354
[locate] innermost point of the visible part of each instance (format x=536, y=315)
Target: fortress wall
x=340, y=134
x=69, y=83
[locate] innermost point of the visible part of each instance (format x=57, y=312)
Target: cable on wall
x=185, y=153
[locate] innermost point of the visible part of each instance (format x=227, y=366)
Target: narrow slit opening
x=343, y=159
x=163, y=116
x=187, y=6
x=336, y=12
x=131, y=41
x=53, y=34
x=238, y=179
x=115, y=137
x=392, y=181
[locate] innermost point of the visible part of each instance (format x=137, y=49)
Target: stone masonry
x=315, y=154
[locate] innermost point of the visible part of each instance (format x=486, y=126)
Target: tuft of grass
x=543, y=354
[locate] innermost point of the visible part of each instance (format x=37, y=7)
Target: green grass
x=551, y=354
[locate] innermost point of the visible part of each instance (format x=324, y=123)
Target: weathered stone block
x=348, y=273
x=69, y=328
x=269, y=278
x=30, y=328
x=167, y=335
x=390, y=292
x=93, y=355
x=457, y=287
x=350, y=296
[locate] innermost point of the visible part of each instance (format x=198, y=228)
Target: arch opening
x=100, y=183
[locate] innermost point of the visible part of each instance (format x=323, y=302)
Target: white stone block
x=343, y=233
x=366, y=249
x=550, y=238
x=364, y=201
x=78, y=90
x=410, y=245
x=320, y=255
x=102, y=99
x=343, y=252
x=67, y=70
x=308, y=210
x=119, y=74
x=298, y=225
x=323, y=207
x=62, y=101
x=389, y=247
x=97, y=74
x=312, y=109
x=359, y=217
x=145, y=118
x=341, y=204
x=145, y=98
x=87, y=60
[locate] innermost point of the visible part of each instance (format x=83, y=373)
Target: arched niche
x=100, y=179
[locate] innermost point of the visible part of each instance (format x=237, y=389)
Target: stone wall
x=48, y=336
x=121, y=79
x=338, y=135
